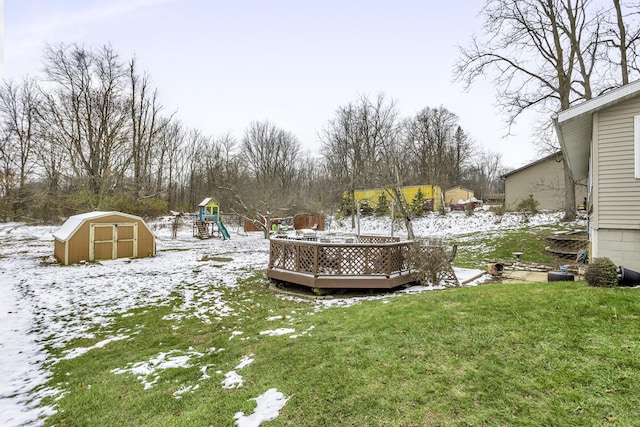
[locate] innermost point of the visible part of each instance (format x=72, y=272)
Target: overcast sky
x=224, y=64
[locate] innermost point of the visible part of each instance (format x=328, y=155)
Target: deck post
x=316, y=250
x=388, y=262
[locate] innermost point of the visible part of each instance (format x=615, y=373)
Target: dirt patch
x=216, y=258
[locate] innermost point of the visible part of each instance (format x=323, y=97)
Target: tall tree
x=438, y=147
x=86, y=113
x=622, y=36
x=362, y=144
x=271, y=154
x=146, y=127
x=543, y=55
x=19, y=103
x=530, y=47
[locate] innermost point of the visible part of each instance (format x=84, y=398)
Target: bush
x=498, y=210
x=529, y=205
x=382, y=208
x=432, y=263
x=602, y=272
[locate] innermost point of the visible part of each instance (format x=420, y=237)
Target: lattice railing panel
x=306, y=258
x=328, y=260
x=275, y=255
x=340, y=260
x=397, y=257
x=289, y=257
x=377, y=260
x=352, y=261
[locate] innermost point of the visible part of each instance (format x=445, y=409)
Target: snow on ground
x=268, y=407
x=47, y=304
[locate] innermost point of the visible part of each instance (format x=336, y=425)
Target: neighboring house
x=601, y=139
x=542, y=179
x=455, y=194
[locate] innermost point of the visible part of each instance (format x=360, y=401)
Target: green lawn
x=475, y=248
x=531, y=354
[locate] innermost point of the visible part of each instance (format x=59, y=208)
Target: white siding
x=618, y=191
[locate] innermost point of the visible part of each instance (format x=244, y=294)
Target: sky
x=221, y=65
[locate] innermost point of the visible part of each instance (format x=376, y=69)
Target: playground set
x=207, y=222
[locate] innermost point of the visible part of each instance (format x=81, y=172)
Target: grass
x=474, y=249
x=557, y=353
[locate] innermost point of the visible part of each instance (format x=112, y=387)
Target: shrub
x=365, y=208
x=382, y=208
x=417, y=206
x=529, y=205
x=498, y=210
x=432, y=263
x=602, y=272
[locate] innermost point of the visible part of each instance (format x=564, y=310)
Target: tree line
x=92, y=134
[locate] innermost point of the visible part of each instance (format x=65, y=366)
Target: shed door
x=111, y=241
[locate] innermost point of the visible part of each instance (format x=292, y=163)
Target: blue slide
x=223, y=230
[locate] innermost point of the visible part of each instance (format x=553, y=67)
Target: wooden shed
x=95, y=236
x=453, y=195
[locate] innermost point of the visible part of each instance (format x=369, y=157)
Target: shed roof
x=574, y=126
x=458, y=187
x=73, y=222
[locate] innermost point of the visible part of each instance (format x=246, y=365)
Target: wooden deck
x=365, y=262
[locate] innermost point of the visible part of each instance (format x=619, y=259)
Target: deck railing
x=343, y=262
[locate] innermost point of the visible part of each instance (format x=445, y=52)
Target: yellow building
x=455, y=194
x=432, y=193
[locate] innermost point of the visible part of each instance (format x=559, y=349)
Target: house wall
x=545, y=181
x=615, y=221
x=621, y=246
x=618, y=191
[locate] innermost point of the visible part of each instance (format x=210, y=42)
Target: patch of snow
x=268, y=406
x=234, y=380
x=79, y=351
x=277, y=332
x=148, y=372
x=245, y=361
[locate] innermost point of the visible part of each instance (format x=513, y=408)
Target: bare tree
x=362, y=144
x=86, y=113
x=18, y=117
x=542, y=55
x=437, y=146
x=146, y=127
x=351, y=144
x=271, y=154
x=172, y=141
x=622, y=36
